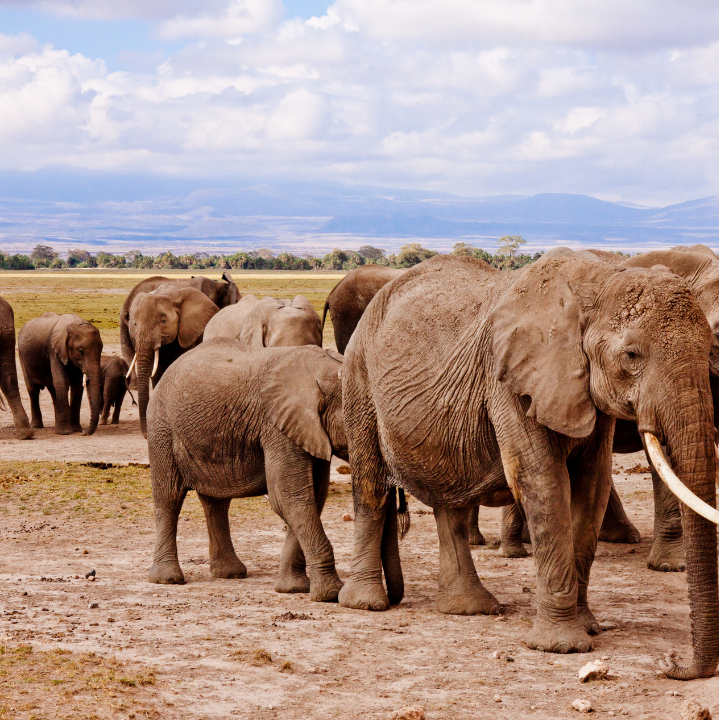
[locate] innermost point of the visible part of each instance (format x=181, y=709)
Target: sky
x=618, y=99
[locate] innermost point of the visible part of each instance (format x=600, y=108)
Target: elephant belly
x=236, y=479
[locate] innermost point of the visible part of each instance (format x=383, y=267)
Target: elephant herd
x=457, y=383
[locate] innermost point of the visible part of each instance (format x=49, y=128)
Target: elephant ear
x=58, y=337
x=537, y=346
x=195, y=310
x=233, y=292
x=293, y=399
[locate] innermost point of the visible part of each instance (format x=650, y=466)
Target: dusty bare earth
x=120, y=647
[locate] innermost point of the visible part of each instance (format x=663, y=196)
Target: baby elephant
x=229, y=421
x=114, y=386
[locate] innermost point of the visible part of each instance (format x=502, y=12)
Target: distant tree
x=413, y=254
x=108, y=260
x=463, y=249
x=263, y=253
x=335, y=260
x=42, y=255
x=371, y=253
x=80, y=258
x=509, y=244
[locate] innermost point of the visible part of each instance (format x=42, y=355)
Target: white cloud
x=533, y=95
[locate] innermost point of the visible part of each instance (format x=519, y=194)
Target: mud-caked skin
x=461, y=382
x=269, y=322
x=231, y=421
x=55, y=351
x=8, y=373
x=114, y=387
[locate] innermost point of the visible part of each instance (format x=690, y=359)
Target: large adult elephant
x=8, y=372
x=163, y=324
x=222, y=292
x=513, y=380
x=269, y=322
x=55, y=351
x=349, y=298
x=229, y=420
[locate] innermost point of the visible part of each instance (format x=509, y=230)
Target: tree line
x=44, y=256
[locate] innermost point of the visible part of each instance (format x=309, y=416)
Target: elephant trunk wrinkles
x=686, y=421
x=143, y=368
x=94, y=391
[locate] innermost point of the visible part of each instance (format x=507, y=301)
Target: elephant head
x=281, y=323
x=302, y=396
x=580, y=337
x=227, y=292
x=79, y=343
x=166, y=315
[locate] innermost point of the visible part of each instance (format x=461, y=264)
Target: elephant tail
x=403, y=519
x=324, y=314
x=132, y=396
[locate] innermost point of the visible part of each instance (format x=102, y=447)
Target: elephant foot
x=326, y=589
x=619, y=532
x=62, y=430
x=667, y=556
x=564, y=637
x=77, y=429
x=588, y=621
x=37, y=424
x=167, y=573
x=292, y=581
x=115, y=422
x=470, y=599
x=103, y=421
x=24, y=433
x=363, y=596
x=476, y=537
x=512, y=551
x=228, y=568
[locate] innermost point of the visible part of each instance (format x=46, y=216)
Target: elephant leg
x=512, y=528
x=667, y=553
x=107, y=398
x=616, y=526
x=291, y=479
x=475, y=534
x=59, y=392
x=224, y=562
x=35, y=412
x=119, y=398
x=460, y=590
x=75, y=406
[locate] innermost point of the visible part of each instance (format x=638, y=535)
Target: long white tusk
x=132, y=365
x=675, y=484
x=84, y=379
x=157, y=362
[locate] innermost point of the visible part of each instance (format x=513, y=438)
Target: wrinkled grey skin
x=229, y=421
x=55, y=351
x=349, y=298
x=269, y=322
x=114, y=387
x=8, y=373
x=169, y=320
x=699, y=267
x=514, y=379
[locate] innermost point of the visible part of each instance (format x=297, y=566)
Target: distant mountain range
x=122, y=213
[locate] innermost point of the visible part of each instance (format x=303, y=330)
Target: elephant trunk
x=9, y=385
x=94, y=391
x=686, y=421
x=146, y=356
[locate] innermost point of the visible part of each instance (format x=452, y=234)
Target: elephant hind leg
x=460, y=589
x=512, y=530
x=667, y=553
x=224, y=562
x=616, y=526
x=475, y=534
x=35, y=412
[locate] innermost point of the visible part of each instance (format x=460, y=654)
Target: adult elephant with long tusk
x=467, y=386
x=163, y=325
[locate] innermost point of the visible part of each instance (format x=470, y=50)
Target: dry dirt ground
x=119, y=647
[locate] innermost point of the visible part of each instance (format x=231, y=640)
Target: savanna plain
x=111, y=645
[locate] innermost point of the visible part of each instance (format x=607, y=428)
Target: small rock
x=692, y=710
x=673, y=693
x=525, y=589
x=91, y=574
x=583, y=706
x=94, y=605
x=408, y=713
x=85, y=552
x=110, y=619
x=595, y=670
x=497, y=698
x=501, y=655
x=347, y=517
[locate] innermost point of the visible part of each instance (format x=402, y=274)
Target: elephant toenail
x=664, y=567
x=681, y=567
x=494, y=610
x=583, y=647
x=563, y=647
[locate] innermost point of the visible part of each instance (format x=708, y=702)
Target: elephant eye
x=630, y=360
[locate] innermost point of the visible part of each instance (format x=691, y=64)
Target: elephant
x=469, y=386
x=114, y=386
x=222, y=293
x=269, y=322
x=229, y=420
x=164, y=324
x=8, y=373
x=55, y=351
x=349, y=298
x=699, y=267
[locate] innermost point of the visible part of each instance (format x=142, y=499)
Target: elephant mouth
x=154, y=366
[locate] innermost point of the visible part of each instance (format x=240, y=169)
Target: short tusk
x=157, y=362
x=84, y=379
x=665, y=472
x=132, y=365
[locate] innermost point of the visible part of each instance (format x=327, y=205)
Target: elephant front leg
x=292, y=577
x=616, y=526
x=667, y=553
x=513, y=524
x=75, y=407
x=35, y=412
x=475, y=534
x=460, y=590
x=224, y=562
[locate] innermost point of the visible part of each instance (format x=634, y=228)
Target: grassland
x=97, y=296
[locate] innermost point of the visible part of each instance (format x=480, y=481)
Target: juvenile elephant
x=513, y=380
x=269, y=322
x=163, y=324
x=8, y=372
x=114, y=387
x=349, y=298
x=230, y=421
x=55, y=351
